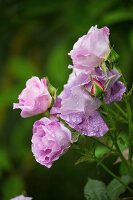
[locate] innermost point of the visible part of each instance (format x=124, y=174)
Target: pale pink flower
x=49, y=141
x=91, y=49
x=35, y=98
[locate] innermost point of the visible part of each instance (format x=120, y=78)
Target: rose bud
x=97, y=88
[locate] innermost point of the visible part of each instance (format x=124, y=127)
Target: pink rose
x=35, y=98
x=91, y=49
x=21, y=197
x=50, y=140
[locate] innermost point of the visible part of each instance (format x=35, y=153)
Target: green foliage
x=130, y=92
x=131, y=38
x=5, y=161
x=117, y=16
x=82, y=159
x=18, y=68
x=75, y=136
x=112, y=59
x=95, y=190
x=115, y=188
x=12, y=186
x=56, y=67
x=52, y=90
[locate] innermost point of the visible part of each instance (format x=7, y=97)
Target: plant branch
x=108, y=147
x=121, y=110
x=113, y=175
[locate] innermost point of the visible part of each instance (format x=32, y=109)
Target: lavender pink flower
x=35, y=98
x=78, y=103
x=49, y=141
x=113, y=89
x=21, y=197
x=90, y=125
x=108, y=82
x=78, y=108
x=91, y=49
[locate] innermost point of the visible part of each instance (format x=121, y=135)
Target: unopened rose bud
x=97, y=88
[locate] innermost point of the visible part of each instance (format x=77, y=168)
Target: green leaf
x=115, y=188
x=75, y=136
x=83, y=159
x=113, y=57
x=95, y=190
x=52, y=90
x=130, y=92
x=123, y=169
x=101, y=152
x=121, y=140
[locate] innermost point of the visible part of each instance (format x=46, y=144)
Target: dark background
x=35, y=38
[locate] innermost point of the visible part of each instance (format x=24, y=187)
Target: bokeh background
x=35, y=38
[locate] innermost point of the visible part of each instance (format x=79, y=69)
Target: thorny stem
x=113, y=175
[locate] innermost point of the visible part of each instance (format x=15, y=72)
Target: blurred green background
x=35, y=38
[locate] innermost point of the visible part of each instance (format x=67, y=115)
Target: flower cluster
x=93, y=82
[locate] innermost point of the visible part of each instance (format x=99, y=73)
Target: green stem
x=122, y=158
x=129, y=112
x=114, y=139
x=113, y=175
x=120, y=117
x=108, y=147
x=121, y=110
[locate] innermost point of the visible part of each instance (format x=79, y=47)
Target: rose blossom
x=35, y=98
x=21, y=197
x=78, y=108
x=108, y=82
x=91, y=49
x=50, y=140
